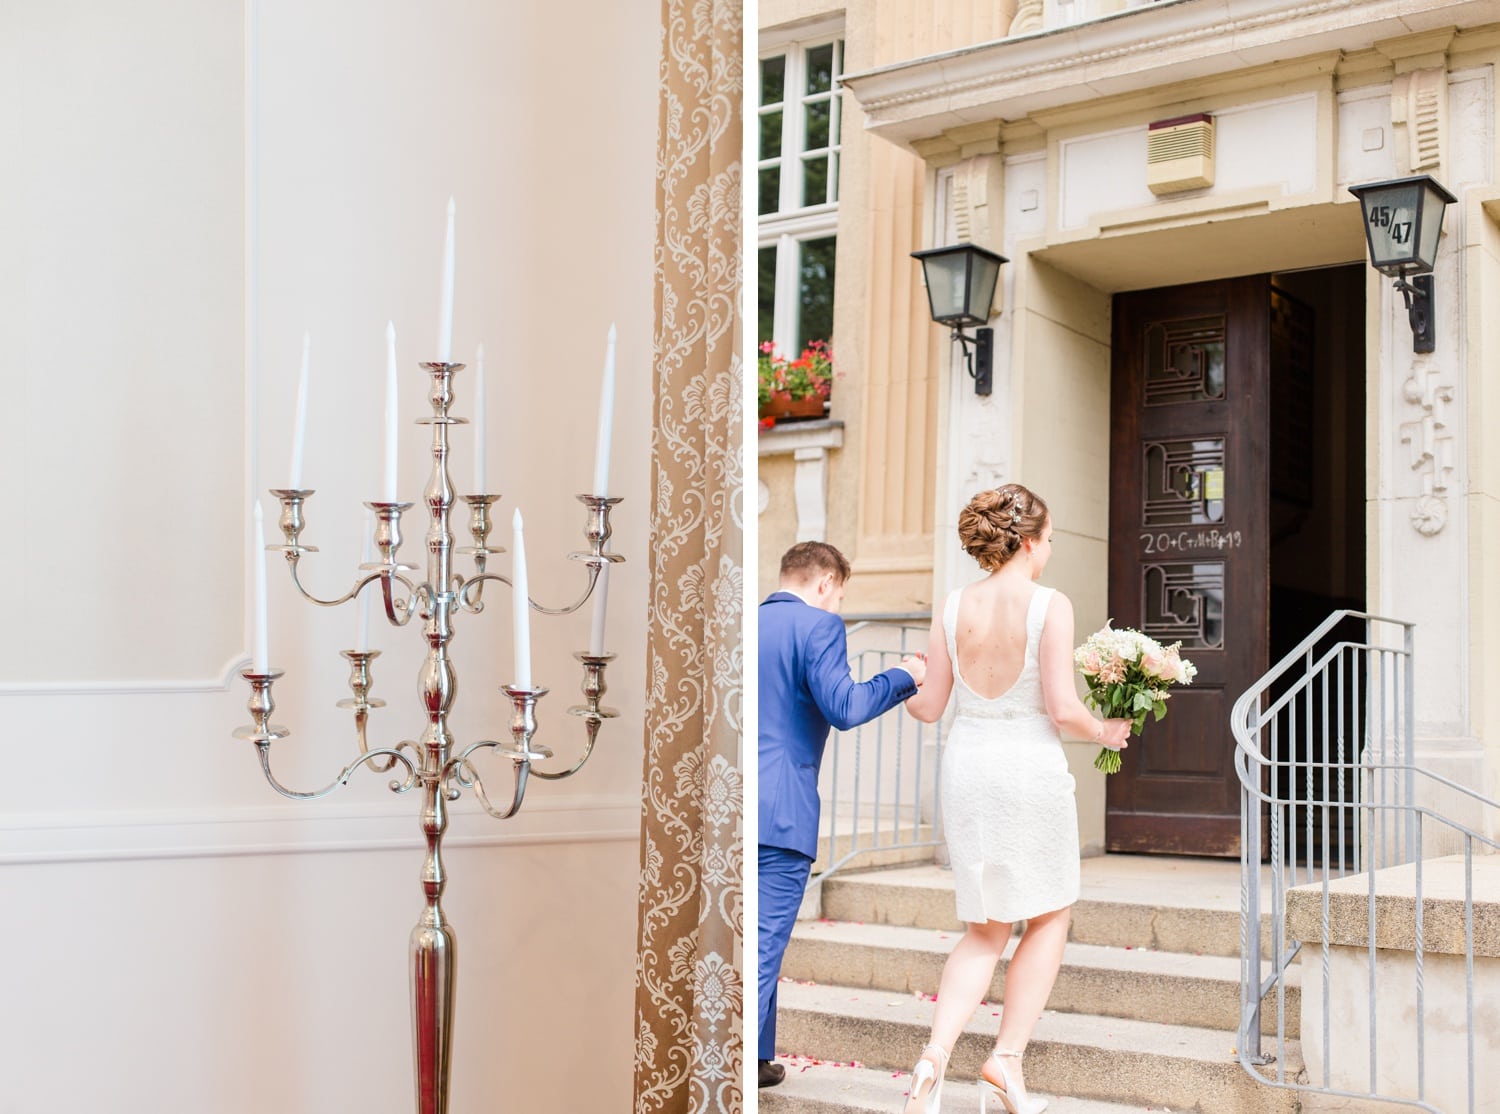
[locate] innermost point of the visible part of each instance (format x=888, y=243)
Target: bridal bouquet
x=1128, y=675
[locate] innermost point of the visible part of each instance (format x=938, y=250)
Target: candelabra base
x=434, y=964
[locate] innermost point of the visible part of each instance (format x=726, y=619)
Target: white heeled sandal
x=927, y=1102
x=1012, y=1095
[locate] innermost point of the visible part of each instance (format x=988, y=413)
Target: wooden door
x=1188, y=545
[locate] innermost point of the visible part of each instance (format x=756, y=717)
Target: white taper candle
x=479, y=424
x=522, y=604
x=261, y=654
x=388, y=488
x=606, y=418
x=445, y=313
x=299, y=423
x=601, y=601
x=366, y=556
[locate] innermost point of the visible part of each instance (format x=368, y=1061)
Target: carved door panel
x=1188, y=546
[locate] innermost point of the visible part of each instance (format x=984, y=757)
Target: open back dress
x=1009, y=811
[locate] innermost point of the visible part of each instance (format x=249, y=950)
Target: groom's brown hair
x=805, y=559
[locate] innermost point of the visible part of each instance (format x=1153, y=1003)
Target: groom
x=804, y=689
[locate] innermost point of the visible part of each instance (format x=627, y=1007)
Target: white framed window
x=797, y=176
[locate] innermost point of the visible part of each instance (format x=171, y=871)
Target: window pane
x=820, y=69
x=770, y=135
x=834, y=173
x=815, y=180
x=770, y=185
x=815, y=273
x=766, y=291
x=816, y=134
x=772, y=79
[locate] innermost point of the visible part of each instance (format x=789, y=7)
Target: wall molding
x=221, y=683
x=88, y=837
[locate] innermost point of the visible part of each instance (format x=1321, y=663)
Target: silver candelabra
x=432, y=762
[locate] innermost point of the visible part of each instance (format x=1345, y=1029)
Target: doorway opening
x=1317, y=458
x=1237, y=524
x=1318, y=488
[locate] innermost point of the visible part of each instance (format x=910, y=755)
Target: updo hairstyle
x=995, y=523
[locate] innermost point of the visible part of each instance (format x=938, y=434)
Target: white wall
x=187, y=188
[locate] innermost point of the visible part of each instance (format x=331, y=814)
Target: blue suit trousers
x=783, y=881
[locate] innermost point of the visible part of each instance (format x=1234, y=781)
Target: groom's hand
x=916, y=665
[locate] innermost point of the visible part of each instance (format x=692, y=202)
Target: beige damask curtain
x=689, y=987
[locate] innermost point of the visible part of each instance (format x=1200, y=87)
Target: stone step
x=814, y=1087
x=1138, y=901
x=879, y=845
x=1175, y=987
x=1117, y=1060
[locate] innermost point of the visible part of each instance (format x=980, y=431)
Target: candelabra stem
x=434, y=955
x=434, y=966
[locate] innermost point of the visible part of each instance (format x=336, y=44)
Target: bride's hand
x=1116, y=734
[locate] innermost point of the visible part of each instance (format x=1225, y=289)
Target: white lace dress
x=1009, y=811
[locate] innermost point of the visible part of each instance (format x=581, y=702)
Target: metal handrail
x=1324, y=743
x=891, y=779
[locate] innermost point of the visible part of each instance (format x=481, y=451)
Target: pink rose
x=1091, y=662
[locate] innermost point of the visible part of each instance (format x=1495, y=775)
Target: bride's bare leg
x=966, y=977
x=1028, y=983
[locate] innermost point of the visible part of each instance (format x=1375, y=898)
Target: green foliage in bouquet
x=1128, y=675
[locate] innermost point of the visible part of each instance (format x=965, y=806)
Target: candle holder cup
x=481, y=551
x=291, y=521
x=261, y=730
x=597, y=530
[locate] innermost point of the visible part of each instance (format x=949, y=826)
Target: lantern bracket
x=979, y=360
x=1418, y=294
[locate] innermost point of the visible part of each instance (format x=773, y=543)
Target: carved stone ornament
x=1028, y=18
x=1431, y=445
x=1419, y=115
x=978, y=200
x=1429, y=515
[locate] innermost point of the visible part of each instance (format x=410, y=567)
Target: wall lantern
x=961, y=282
x=1403, y=218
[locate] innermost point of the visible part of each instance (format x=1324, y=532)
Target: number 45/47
x=1381, y=217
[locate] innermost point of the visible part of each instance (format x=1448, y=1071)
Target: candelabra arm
x=396, y=786
x=462, y=771
x=384, y=764
x=520, y=750
x=470, y=605
x=591, y=725
x=399, y=612
x=592, y=711
x=291, y=560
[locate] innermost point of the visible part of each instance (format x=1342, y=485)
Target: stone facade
x=1036, y=145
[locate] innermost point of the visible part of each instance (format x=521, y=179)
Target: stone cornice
x=1163, y=43
x=795, y=436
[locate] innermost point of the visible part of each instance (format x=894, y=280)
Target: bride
x=1005, y=647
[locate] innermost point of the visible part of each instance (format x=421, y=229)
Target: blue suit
x=804, y=689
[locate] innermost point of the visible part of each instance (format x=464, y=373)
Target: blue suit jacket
x=804, y=689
